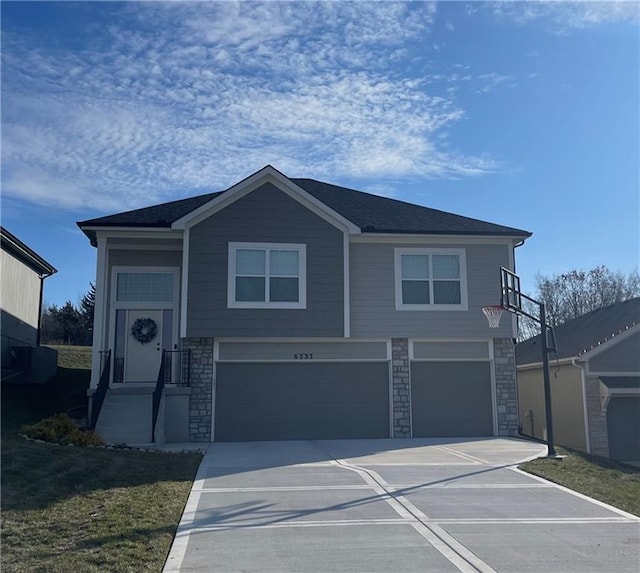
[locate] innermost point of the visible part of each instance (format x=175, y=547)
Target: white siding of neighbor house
x=566, y=401
x=373, y=311
x=20, y=293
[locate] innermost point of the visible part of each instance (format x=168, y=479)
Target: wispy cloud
x=173, y=98
x=564, y=16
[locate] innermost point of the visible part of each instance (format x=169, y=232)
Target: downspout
x=40, y=303
x=585, y=411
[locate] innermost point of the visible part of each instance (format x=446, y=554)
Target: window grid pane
x=284, y=263
x=446, y=266
x=250, y=289
x=415, y=292
x=446, y=292
x=251, y=262
x=283, y=290
x=415, y=266
x=144, y=287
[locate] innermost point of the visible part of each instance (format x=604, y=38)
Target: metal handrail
x=157, y=395
x=183, y=374
x=103, y=385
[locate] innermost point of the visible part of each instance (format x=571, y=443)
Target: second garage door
x=301, y=401
x=623, y=425
x=451, y=399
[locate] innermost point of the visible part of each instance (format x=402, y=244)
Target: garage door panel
x=451, y=399
x=623, y=427
x=277, y=401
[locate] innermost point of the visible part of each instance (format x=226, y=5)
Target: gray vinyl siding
x=373, y=311
x=305, y=350
x=266, y=215
x=622, y=357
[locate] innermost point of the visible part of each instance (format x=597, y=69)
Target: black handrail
x=157, y=395
x=103, y=385
x=182, y=375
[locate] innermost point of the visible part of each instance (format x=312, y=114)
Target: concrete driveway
x=393, y=505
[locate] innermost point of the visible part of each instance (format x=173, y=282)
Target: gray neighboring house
x=22, y=273
x=595, y=383
x=295, y=309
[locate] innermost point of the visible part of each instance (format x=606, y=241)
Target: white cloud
x=565, y=16
x=177, y=98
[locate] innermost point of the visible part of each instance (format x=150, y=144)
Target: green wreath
x=144, y=330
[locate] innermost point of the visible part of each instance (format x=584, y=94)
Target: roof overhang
x=134, y=232
x=15, y=247
x=265, y=175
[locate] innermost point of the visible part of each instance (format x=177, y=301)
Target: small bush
x=60, y=429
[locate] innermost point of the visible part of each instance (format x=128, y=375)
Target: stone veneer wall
x=201, y=398
x=401, y=388
x=597, y=419
x=506, y=389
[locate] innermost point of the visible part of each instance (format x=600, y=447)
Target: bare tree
x=577, y=292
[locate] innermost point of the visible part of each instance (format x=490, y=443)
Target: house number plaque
x=303, y=356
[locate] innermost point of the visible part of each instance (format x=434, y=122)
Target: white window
x=430, y=279
x=144, y=287
x=267, y=275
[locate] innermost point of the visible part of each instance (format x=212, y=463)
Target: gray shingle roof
x=373, y=214
x=581, y=334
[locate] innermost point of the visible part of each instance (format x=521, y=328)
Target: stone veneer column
x=597, y=419
x=401, y=384
x=201, y=398
x=504, y=359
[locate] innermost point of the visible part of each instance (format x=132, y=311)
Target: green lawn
x=605, y=480
x=83, y=509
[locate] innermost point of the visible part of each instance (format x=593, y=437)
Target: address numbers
x=303, y=356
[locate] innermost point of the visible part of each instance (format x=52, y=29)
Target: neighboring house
x=295, y=309
x=23, y=272
x=595, y=383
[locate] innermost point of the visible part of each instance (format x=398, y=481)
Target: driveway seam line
x=465, y=560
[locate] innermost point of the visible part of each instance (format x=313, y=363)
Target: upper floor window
x=269, y=275
x=430, y=279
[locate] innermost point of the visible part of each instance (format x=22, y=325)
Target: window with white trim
x=430, y=279
x=267, y=275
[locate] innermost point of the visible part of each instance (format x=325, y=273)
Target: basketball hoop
x=493, y=313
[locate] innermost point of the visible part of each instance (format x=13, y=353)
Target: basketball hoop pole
x=511, y=300
x=547, y=383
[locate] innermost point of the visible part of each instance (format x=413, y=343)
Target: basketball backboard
x=511, y=296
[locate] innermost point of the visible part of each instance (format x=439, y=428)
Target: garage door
x=451, y=399
x=623, y=426
x=301, y=401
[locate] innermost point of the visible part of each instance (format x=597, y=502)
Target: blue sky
x=520, y=113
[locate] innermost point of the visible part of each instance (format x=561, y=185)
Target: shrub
x=60, y=429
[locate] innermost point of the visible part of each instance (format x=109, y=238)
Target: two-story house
x=294, y=309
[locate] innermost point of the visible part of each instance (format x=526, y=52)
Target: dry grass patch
x=72, y=509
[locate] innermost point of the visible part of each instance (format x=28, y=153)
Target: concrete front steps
x=126, y=415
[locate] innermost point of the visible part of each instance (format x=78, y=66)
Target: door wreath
x=144, y=330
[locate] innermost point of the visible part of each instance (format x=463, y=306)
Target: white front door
x=144, y=345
